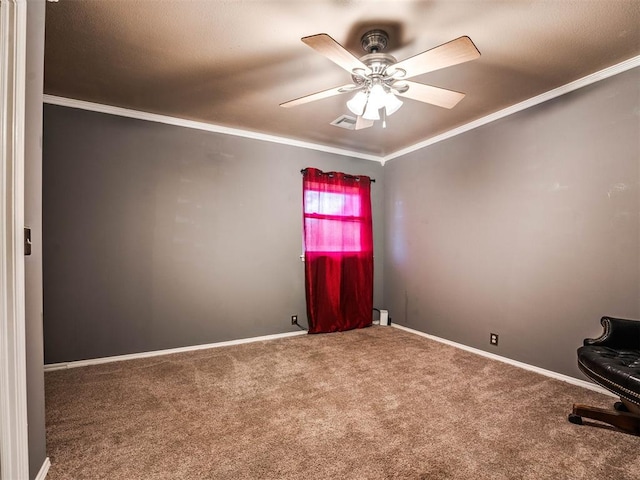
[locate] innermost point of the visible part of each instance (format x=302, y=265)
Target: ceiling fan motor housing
x=377, y=64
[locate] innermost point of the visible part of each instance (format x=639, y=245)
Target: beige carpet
x=377, y=403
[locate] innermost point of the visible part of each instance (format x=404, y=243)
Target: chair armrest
x=619, y=333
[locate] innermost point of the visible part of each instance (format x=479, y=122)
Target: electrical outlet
x=493, y=339
x=294, y=319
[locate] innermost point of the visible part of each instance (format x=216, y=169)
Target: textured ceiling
x=231, y=63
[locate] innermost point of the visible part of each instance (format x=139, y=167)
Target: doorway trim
x=14, y=447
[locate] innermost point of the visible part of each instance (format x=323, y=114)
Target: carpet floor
x=377, y=403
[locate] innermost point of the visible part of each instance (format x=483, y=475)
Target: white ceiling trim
x=544, y=97
x=209, y=127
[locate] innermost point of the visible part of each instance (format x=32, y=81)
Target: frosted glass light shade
x=377, y=96
x=357, y=103
x=368, y=104
x=371, y=112
x=392, y=103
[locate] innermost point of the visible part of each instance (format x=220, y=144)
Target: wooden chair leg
x=627, y=422
x=631, y=407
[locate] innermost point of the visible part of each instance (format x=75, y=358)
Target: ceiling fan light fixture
x=357, y=103
x=368, y=104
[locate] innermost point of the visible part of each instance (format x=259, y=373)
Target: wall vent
x=345, y=121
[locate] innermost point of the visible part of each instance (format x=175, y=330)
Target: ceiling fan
x=378, y=78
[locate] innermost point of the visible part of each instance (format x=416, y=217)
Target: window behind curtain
x=335, y=219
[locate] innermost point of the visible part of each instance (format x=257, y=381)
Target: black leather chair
x=613, y=361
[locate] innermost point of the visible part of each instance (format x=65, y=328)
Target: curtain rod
x=373, y=180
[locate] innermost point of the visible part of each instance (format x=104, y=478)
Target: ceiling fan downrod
x=374, y=41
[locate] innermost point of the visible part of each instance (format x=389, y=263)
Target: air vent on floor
x=345, y=121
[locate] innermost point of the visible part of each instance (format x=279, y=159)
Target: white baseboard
x=42, y=474
x=515, y=363
x=132, y=356
x=548, y=373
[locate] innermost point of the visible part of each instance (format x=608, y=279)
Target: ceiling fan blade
x=327, y=46
x=433, y=95
x=318, y=95
x=363, y=123
x=451, y=53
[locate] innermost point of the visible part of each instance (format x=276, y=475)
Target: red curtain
x=338, y=243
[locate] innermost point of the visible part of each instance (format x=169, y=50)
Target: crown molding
x=518, y=107
x=209, y=127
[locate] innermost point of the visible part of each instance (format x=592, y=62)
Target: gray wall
x=527, y=227
x=33, y=219
x=157, y=236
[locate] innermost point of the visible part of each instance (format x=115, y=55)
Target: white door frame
x=14, y=447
